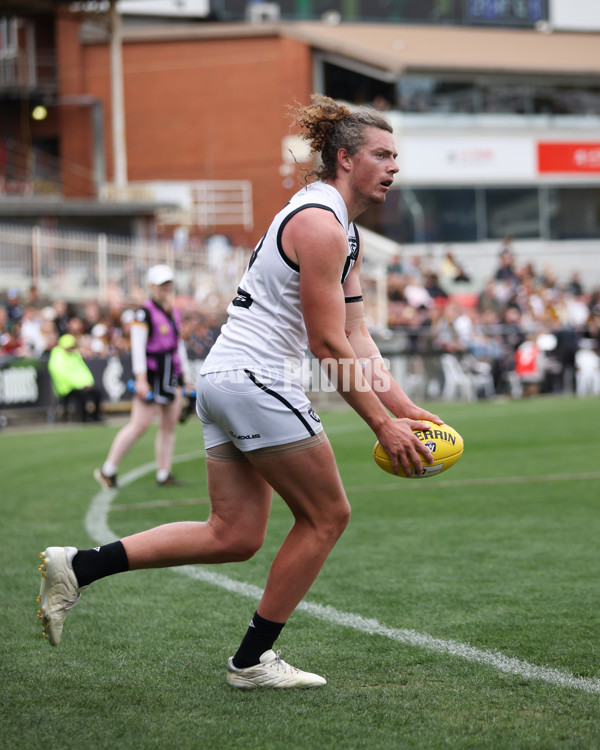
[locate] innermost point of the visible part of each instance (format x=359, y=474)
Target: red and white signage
x=569, y=158
x=456, y=160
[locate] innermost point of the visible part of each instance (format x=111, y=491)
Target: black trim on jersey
x=359, y=298
x=290, y=263
x=256, y=251
x=279, y=397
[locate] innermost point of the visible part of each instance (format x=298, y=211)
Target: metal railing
x=78, y=266
x=26, y=71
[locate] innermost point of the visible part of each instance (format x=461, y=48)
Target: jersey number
x=242, y=298
x=255, y=252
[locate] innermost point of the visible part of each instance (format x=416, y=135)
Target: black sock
x=91, y=564
x=260, y=637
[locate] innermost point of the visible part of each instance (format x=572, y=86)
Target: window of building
x=429, y=94
x=446, y=215
x=425, y=215
x=496, y=95
x=512, y=211
x=356, y=88
x=566, y=100
x=468, y=12
x=574, y=213
x=8, y=37
x=501, y=97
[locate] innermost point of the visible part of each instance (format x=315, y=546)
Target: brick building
x=477, y=112
x=202, y=103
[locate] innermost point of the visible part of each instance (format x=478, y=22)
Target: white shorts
x=237, y=407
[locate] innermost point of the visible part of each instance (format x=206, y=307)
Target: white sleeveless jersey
x=265, y=327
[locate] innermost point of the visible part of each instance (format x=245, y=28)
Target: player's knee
x=242, y=549
x=238, y=546
x=137, y=427
x=342, y=519
x=332, y=526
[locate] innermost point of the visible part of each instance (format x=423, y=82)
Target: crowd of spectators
x=515, y=306
x=432, y=302
x=30, y=327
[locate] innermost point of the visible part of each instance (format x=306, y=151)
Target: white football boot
x=272, y=672
x=59, y=591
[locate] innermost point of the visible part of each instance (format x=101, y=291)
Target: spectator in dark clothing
x=506, y=267
x=14, y=307
x=574, y=285
x=432, y=285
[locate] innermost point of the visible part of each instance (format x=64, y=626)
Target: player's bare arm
x=316, y=241
x=376, y=373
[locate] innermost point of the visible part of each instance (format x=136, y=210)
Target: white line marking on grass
x=96, y=524
x=495, y=659
x=96, y=519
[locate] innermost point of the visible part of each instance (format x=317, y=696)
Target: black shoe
x=171, y=481
x=107, y=483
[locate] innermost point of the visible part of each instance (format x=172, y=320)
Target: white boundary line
x=411, y=485
x=96, y=524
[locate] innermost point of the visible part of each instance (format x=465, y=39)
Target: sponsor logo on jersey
x=242, y=299
x=244, y=437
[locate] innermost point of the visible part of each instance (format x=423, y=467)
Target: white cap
x=158, y=275
x=99, y=330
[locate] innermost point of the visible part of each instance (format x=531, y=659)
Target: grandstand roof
x=19, y=207
x=401, y=48
x=392, y=47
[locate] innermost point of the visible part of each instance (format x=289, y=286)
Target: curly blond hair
x=329, y=126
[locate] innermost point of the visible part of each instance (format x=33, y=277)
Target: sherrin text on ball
x=443, y=441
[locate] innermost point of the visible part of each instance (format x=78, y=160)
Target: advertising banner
x=465, y=160
x=25, y=383
x=524, y=13
x=569, y=158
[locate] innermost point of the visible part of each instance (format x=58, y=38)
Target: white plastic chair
x=587, y=373
x=457, y=382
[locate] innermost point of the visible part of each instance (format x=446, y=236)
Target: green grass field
x=462, y=611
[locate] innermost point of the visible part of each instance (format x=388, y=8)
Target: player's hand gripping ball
x=443, y=441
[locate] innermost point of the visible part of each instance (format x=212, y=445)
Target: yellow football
x=443, y=441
